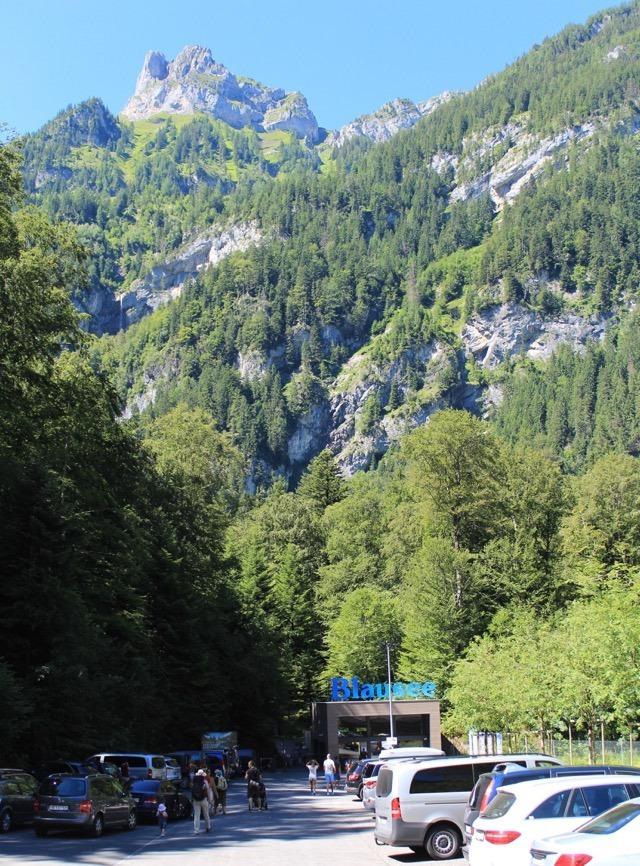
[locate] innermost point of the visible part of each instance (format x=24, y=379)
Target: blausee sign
x=343, y=689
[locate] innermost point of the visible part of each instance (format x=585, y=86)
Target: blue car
x=147, y=793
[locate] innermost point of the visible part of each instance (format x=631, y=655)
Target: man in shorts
x=329, y=774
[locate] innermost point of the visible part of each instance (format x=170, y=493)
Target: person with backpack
x=221, y=789
x=200, y=798
x=253, y=779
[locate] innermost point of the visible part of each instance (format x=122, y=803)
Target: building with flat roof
x=356, y=726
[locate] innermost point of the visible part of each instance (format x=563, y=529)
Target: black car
x=148, y=792
x=90, y=803
x=61, y=768
x=17, y=790
x=354, y=777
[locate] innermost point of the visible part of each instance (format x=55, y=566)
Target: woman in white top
x=312, y=767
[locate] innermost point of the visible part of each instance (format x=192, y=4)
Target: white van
x=420, y=804
x=141, y=766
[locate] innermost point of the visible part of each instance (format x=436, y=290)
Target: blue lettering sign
x=344, y=690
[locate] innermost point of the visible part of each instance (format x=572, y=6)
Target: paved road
x=297, y=829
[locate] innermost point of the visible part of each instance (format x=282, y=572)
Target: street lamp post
x=388, y=646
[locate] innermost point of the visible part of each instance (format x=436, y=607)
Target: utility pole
x=388, y=646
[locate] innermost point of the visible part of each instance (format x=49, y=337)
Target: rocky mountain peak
x=389, y=119
x=195, y=82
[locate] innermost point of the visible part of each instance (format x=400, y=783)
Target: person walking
x=200, y=797
x=329, y=773
x=162, y=816
x=312, y=767
x=253, y=778
x=221, y=790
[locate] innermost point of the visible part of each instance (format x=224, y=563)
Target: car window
x=542, y=763
x=613, y=820
x=603, y=797
x=100, y=788
x=500, y=805
x=552, y=807
x=167, y=788
x=10, y=788
x=484, y=767
x=158, y=763
x=577, y=807
x=385, y=781
x=438, y=780
x=478, y=792
x=64, y=787
x=27, y=786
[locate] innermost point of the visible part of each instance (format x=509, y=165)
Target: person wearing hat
x=200, y=794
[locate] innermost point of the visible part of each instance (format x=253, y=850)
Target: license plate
x=58, y=808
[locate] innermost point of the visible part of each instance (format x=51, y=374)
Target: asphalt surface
x=297, y=829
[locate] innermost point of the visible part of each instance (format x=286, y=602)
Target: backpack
x=199, y=789
x=221, y=783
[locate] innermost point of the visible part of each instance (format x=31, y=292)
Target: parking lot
x=297, y=829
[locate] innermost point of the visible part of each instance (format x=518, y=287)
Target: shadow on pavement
x=292, y=814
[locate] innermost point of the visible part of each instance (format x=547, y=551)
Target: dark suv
x=16, y=799
x=90, y=803
x=354, y=777
x=487, y=785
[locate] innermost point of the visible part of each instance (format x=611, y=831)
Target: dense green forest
x=171, y=551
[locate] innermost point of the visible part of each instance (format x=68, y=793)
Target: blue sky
x=347, y=56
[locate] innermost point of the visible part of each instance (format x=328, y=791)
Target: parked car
x=487, y=785
x=174, y=771
x=60, y=767
x=90, y=803
x=421, y=804
x=141, y=765
x=148, y=792
x=520, y=813
x=614, y=832
x=354, y=780
x=16, y=799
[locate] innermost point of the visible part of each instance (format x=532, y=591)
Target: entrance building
x=352, y=727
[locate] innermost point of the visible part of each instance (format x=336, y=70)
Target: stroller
x=257, y=796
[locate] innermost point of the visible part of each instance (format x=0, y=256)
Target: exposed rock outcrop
x=165, y=281
x=384, y=123
x=507, y=330
x=195, y=82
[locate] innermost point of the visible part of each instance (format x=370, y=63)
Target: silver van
x=420, y=804
x=141, y=765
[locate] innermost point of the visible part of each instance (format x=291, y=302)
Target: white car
x=520, y=813
x=174, y=771
x=614, y=832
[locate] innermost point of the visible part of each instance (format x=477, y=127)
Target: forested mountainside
x=289, y=310
x=396, y=280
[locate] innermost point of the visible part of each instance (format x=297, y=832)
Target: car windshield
x=500, y=805
x=612, y=820
x=68, y=787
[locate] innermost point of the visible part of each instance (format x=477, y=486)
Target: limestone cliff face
x=384, y=123
x=195, y=82
x=165, y=281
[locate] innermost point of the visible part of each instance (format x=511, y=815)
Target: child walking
x=162, y=817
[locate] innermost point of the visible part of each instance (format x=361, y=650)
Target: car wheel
x=41, y=831
x=6, y=820
x=97, y=827
x=132, y=821
x=359, y=794
x=443, y=842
